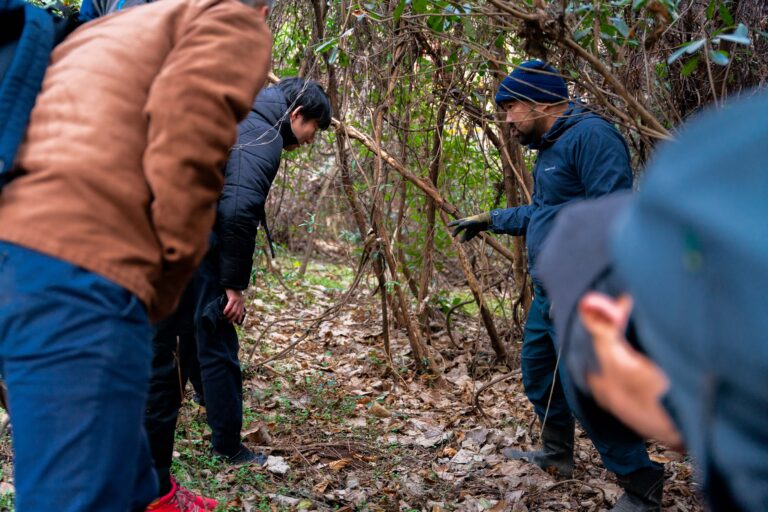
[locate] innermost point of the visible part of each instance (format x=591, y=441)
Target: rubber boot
x=642, y=490
x=556, y=451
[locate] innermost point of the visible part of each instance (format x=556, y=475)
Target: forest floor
x=346, y=430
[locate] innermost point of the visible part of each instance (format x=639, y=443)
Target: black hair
x=310, y=96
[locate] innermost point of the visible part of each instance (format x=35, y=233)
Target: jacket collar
x=272, y=106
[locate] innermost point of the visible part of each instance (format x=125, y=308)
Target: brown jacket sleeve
x=207, y=84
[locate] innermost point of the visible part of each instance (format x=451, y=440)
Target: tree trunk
x=429, y=223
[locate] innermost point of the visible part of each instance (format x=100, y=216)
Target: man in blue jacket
x=283, y=117
x=580, y=155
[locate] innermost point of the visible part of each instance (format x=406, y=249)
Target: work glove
x=472, y=226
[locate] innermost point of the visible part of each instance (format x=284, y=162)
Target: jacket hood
x=272, y=107
x=573, y=115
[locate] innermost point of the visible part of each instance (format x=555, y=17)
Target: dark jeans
x=75, y=354
x=620, y=448
x=196, y=333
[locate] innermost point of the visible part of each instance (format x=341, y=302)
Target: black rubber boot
x=642, y=490
x=243, y=457
x=556, y=451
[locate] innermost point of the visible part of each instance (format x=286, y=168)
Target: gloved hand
x=472, y=226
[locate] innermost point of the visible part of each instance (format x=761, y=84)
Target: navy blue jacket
x=582, y=156
x=251, y=168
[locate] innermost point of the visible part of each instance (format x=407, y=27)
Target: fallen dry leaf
x=448, y=451
x=658, y=458
x=259, y=435
x=337, y=465
x=379, y=411
x=320, y=487
x=501, y=506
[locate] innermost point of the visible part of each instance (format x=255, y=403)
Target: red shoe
x=180, y=499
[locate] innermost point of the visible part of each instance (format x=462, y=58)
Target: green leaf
x=734, y=39
x=398, y=10
x=689, y=48
x=725, y=14
x=419, y=6
x=324, y=47
x=676, y=55
x=343, y=61
x=469, y=28
x=436, y=23
x=690, y=66
x=579, y=34
x=693, y=46
x=373, y=15
x=607, y=31
x=738, y=36
x=719, y=57
x=637, y=4
x=711, y=9
x=621, y=26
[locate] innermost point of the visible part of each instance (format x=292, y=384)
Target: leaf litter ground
x=343, y=432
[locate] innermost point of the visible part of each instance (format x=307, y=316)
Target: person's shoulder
x=593, y=128
x=238, y=14
x=591, y=122
x=260, y=141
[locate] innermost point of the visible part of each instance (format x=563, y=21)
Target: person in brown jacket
x=105, y=221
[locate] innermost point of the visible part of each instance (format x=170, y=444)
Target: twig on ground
x=504, y=377
x=580, y=482
x=448, y=321
x=316, y=321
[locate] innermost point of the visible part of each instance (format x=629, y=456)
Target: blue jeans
x=621, y=449
x=75, y=354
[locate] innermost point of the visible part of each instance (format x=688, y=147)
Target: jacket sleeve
x=206, y=85
x=602, y=159
x=511, y=221
x=241, y=206
x=92, y=9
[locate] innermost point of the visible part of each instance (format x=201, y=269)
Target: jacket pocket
x=213, y=313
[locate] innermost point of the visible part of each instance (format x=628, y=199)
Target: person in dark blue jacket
x=283, y=117
x=580, y=156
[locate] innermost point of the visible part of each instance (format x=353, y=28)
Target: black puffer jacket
x=251, y=168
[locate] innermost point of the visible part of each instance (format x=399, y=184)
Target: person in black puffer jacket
x=283, y=117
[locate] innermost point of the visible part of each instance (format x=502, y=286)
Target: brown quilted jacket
x=121, y=166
